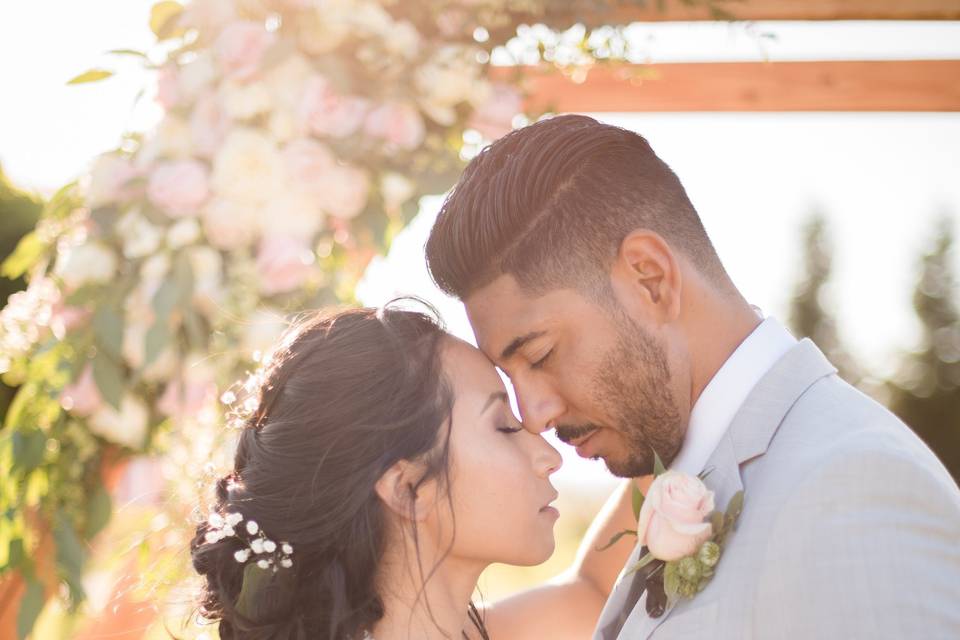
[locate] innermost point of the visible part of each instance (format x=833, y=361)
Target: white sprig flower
x=213, y=536
x=286, y=562
x=287, y=549
x=233, y=519
x=257, y=546
x=269, y=546
x=215, y=520
x=242, y=556
x=263, y=564
x=252, y=527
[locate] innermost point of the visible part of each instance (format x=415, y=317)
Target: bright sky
x=880, y=178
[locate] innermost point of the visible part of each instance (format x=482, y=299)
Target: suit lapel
x=748, y=436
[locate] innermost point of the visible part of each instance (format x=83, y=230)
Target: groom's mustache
x=569, y=433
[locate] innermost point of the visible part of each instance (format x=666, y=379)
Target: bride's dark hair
x=344, y=397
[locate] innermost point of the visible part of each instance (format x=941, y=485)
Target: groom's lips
x=581, y=444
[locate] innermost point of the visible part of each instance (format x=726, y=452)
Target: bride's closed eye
x=506, y=429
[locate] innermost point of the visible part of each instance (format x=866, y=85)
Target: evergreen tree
x=809, y=315
x=926, y=393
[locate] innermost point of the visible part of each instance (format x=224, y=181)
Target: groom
x=589, y=279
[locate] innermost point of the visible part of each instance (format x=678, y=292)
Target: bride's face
x=499, y=473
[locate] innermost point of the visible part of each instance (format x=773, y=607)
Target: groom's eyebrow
x=496, y=395
x=519, y=342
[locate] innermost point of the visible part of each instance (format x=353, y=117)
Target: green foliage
x=92, y=75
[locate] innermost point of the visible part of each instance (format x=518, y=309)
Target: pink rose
x=82, y=397
x=208, y=125
x=327, y=113
x=113, y=178
x=283, y=264
x=344, y=191
x=168, y=86
x=397, y=124
x=181, y=400
x=672, y=517
x=240, y=48
x=308, y=162
x=494, y=118
x=179, y=188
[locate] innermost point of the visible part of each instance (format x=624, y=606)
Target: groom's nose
x=540, y=406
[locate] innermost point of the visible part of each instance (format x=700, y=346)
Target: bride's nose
x=546, y=459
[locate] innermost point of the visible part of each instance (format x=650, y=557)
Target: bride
x=381, y=472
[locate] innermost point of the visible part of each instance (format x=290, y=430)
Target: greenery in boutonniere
x=684, y=547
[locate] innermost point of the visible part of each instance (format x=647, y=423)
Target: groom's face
x=589, y=371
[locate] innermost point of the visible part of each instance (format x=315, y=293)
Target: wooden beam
x=675, y=10
x=894, y=85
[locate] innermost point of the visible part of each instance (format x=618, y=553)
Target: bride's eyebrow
x=496, y=395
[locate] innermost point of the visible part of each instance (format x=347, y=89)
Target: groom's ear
x=397, y=489
x=646, y=276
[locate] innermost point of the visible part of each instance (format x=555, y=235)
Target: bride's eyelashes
x=539, y=363
x=509, y=429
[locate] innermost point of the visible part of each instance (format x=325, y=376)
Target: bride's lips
x=549, y=509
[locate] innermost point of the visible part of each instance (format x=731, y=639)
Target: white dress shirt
x=728, y=390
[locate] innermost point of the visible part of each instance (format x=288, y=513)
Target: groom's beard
x=633, y=384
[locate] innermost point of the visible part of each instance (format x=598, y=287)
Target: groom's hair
x=550, y=204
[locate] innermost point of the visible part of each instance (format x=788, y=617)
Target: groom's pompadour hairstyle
x=550, y=204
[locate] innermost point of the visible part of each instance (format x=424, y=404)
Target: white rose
x=127, y=427
x=229, y=224
x=287, y=79
x=110, y=178
x=396, y=189
x=326, y=28
x=295, y=212
x=450, y=77
x=172, y=139
x=183, y=232
x=140, y=237
x=243, y=101
x=197, y=75
x=248, y=168
x=91, y=262
x=284, y=125
x=402, y=40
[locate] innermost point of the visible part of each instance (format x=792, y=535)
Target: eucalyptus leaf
x=98, y=512
x=127, y=52
x=30, y=606
x=156, y=340
x=108, y=330
x=658, y=468
x=28, y=450
x=109, y=378
x=638, y=499
x=164, y=17
x=28, y=252
x=70, y=555
x=93, y=75
x=615, y=539
x=671, y=580
x=254, y=578
x=735, y=506
x=641, y=563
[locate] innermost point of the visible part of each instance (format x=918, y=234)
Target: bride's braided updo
x=343, y=399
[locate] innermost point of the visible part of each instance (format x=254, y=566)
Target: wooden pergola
x=874, y=85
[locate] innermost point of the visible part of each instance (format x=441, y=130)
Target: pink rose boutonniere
x=683, y=535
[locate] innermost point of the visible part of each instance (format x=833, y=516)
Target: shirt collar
x=720, y=400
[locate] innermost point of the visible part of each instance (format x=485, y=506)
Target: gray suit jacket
x=850, y=527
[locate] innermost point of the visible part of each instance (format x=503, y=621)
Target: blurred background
x=840, y=218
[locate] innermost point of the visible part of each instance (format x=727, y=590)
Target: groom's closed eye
x=539, y=363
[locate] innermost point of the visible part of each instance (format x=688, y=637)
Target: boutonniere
x=683, y=533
